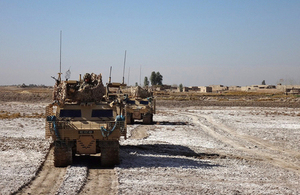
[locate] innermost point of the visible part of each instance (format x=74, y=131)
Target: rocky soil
x=190, y=149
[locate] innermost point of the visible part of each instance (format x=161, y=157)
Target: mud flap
x=148, y=119
x=129, y=118
x=109, y=153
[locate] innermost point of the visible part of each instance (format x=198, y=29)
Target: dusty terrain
x=190, y=149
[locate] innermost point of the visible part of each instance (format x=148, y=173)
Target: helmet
x=87, y=76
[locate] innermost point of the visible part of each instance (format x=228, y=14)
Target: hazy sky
x=192, y=42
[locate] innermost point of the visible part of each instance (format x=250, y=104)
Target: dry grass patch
x=8, y=115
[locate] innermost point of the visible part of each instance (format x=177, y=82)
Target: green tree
x=263, y=82
x=181, y=87
x=136, y=84
x=153, y=78
x=146, y=81
x=159, y=78
x=156, y=78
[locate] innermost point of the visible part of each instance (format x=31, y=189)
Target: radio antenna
x=109, y=79
x=140, y=75
x=124, y=67
x=128, y=76
x=59, y=74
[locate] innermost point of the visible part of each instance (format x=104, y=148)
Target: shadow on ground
x=164, y=155
x=92, y=162
x=162, y=123
x=170, y=123
x=156, y=155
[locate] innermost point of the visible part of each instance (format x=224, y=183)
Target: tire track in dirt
x=48, y=179
x=272, y=154
x=105, y=181
x=139, y=132
x=255, y=140
x=100, y=181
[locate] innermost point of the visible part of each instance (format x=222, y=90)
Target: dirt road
x=48, y=179
x=52, y=180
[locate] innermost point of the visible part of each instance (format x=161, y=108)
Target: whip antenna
x=59, y=74
x=109, y=79
x=124, y=66
x=128, y=76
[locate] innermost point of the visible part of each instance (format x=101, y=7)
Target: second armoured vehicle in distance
x=140, y=106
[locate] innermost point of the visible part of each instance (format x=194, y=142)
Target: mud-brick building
x=205, y=89
x=185, y=89
x=218, y=88
x=234, y=88
x=294, y=89
x=194, y=88
x=163, y=88
x=258, y=87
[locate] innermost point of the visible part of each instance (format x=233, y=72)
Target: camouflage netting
x=91, y=89
x=140, y=92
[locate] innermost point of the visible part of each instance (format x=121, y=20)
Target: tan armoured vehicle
x=140, y=106
x=82, y=120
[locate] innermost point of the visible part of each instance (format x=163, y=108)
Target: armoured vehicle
x=140, y=106
x=84, y=120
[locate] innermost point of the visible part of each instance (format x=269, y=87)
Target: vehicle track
x=47, y=180
x=139, y=132
x=50, y=179
x=271, y=153
x=101, y=181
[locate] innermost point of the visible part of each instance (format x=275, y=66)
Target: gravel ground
x=186, y=159
x=189, y=150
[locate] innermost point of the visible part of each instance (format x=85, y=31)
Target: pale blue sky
x=192, y=42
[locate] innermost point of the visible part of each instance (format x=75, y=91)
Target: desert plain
x=211, y=145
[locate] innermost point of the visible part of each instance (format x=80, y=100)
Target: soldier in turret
x=87, y=82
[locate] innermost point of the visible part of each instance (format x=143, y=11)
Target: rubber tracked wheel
x=62, y=155
x=148, y=119
x=129, y=118
x=110, y=153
